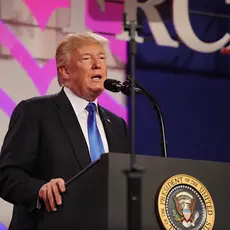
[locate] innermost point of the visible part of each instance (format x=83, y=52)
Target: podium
x=176, y=194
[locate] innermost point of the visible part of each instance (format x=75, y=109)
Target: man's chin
x=96, y=92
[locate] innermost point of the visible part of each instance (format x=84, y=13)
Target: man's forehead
x=91, y=48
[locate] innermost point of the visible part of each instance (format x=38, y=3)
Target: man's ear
x=63, y=71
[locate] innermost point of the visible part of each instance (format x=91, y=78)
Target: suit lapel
x=109, y=129
x=73, y=129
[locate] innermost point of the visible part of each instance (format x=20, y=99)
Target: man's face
x=87, y=71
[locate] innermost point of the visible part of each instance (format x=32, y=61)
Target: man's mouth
x=96, y=77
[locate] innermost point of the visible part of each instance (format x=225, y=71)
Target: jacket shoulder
x=41, y=99
x=111, y=114
x=33, y=105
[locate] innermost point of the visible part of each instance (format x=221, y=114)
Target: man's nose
x=96, y=63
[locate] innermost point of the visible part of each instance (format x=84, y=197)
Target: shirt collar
x=77, y=102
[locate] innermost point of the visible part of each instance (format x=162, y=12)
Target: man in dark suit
x=52, y=138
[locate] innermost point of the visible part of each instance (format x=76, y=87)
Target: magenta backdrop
x=42, y=76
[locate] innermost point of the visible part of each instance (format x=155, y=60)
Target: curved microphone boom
x=159, y=114
x=116, y=86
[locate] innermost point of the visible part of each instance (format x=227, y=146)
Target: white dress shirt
x=79, y=104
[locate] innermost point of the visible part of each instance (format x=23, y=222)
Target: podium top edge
x=170, y=158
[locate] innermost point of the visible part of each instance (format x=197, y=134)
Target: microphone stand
x=134, y=173
x=159, y=114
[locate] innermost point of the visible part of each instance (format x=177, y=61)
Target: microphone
x=116, y=86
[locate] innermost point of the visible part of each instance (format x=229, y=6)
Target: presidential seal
x=185, y=203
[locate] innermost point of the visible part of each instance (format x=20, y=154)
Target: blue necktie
x=95, y=141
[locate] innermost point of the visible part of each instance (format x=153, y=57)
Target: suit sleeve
x=18, y=158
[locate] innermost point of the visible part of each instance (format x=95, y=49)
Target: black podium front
x=97, y=198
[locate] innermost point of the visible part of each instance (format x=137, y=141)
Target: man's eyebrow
x=84, y=54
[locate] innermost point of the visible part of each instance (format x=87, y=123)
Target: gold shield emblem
x=185, y=203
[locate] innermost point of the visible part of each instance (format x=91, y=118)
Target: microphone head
x=112, y=85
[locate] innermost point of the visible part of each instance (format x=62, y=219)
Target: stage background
x=191, y=87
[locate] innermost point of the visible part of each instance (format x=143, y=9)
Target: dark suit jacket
x=45, y=141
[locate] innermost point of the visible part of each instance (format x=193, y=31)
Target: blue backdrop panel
x=193, y=90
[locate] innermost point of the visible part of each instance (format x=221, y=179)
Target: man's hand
x=50, y=193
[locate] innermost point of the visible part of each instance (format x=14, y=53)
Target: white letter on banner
x=155, y=22
x=185, y=31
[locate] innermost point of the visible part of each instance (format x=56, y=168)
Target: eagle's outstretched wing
x=178, y=206
x=193, y=206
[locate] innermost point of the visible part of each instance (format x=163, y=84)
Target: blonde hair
x=72, y=42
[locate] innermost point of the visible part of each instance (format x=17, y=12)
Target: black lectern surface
x=96, y=199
